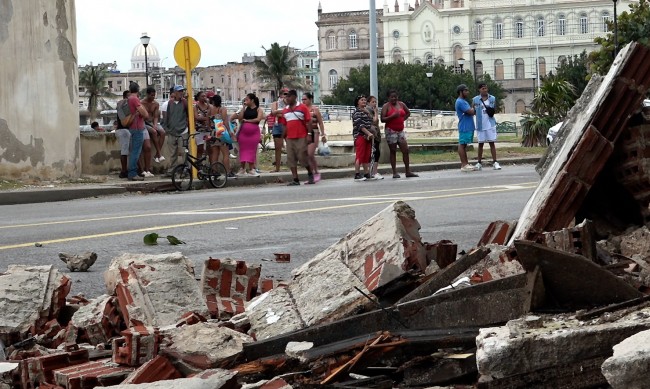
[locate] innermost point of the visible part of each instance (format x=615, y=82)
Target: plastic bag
x=324, y=149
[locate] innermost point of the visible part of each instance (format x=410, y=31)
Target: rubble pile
x=558, y=298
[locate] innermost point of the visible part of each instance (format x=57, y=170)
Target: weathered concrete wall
x=39, y=130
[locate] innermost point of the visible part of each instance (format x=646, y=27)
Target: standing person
x=137, y=131
x=123, y=136
x=249, y=135
x=296, y=119
x=317, y=134
x=221, y=113
x=363, y=138
x=465, y=115
x=278, y=141
x=176, y=119
x=371, y=107
x=202, y=123
x=486, y=124
x=155, y=130
x=394, y=113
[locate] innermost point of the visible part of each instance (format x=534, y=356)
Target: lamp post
x=615, y=30
x=472, y=47
x=461, y=62
x=429, y=75
x=144, y=39
x=537, y=51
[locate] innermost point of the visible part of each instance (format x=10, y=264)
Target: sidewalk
x=115, y=185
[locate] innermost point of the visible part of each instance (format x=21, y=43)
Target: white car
x=552, y=133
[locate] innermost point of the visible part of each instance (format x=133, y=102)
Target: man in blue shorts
x=465, y=115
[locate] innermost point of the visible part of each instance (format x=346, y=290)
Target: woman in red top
x=394, y=113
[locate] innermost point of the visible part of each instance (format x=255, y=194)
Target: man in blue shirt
x=465, y=114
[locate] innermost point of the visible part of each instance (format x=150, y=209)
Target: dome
x=137, y=57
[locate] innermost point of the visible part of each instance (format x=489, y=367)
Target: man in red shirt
x=137, y=131
x=297, y=132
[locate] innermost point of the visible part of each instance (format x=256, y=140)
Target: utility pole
x=374, y=88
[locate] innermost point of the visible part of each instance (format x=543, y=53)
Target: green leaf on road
x=151, y=239
x=174, y=240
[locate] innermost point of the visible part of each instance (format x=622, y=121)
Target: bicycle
x=214, y=172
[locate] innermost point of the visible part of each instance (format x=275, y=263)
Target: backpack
x=124, y=114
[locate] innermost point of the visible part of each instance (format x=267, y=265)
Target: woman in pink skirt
x=249, y=135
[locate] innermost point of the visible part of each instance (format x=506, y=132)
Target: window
x=352, y=38
x=540, y=26
x=561, y=24
x=211, y=80
x=520, y=106
x=519, y=69
x=417, y=61
x=429, y=58
x=498, y=29
x=331, y=41
x=606, y=20
x=479, y=69
x=519, y=28
x=334, y=78
x=584, y=23
x=478, y=30
x=440, y=61
x=498, y=69
x=542, y=66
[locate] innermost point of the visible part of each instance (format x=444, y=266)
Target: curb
x=164, y=185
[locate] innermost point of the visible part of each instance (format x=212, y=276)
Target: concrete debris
x=79, y=262
x=98, y=321
x=227, y=284
x=7, y=370
x=137, y=346
x=576, y=240
x=636, y=243
x=296, y=349
x=499, y=262
x=209, y=379
x=628, y=367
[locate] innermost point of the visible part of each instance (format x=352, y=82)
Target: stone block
x=137, y=345
x=273, y=313
x=217, y=346
x=32, y=296
x=91, y=374
x=157, y=369
x=628, y=367
x=226, y=284
x=97, y=321
x=209, y=379
x=79, y=262
x=156, y=291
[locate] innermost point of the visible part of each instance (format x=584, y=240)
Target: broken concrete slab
x=157, y=369
x=145, y=285
x=227, y=284
x=209, y=379
x=572, y=281
x=628, y=367
x=79, y=262
x=499, y=263
x=98, y=321
x=273, y=313
x=519, y=348
x=217, y=346
x=32, y=296
x=636, y=243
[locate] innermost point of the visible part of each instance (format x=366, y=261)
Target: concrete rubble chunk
x=209, y=379
x=204, y=345
x=79, y=262
x=7, y=369
x=99, y=320
x=636, y=243
x=629, y=366
x=31, y=296
x=157, y=369
x=227, y=284
x=155, y=290
x=498, y=263
x=273, y=313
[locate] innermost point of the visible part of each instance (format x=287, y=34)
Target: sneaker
x=161, y=158
x=478, y=166
x=253, y=173
x=294, y=183
x=233, y=156
x=148, y=174
x=123, y=175
x=368, y=177
x=241, y=172
x=258, y=171
x=358, y=177
x=496, y=166
x=156, y=159
x=310, y=179
x=141, y=175
x=136, y=178
x=467, y=168
x=232, y=175
x=378, y=176
x=317, y=177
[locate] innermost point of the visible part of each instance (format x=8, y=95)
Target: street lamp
x=472, y=47
x=144, y=39
x=429, y=75
x=461, y=62
x=537, y=50
x=615, y=31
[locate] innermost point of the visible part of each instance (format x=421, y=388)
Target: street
x=252, y=223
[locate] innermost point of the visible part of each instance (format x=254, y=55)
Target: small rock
x=38, y=244
x=79, y=262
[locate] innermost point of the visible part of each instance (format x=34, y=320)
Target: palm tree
x=278, y=67
x=551, y=105
x=93, y=79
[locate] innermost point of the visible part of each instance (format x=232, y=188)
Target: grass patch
x=10, y=184
x=452, y=156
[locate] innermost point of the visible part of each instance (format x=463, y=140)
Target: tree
x=574, y=70
x=93, y=79
x=550, y=106
x=412, y=84
x=279, y=67
x=632, y=26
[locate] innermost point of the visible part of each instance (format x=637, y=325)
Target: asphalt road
x=253, y=223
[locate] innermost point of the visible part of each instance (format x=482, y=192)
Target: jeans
x=137, y=139
x=175, y=149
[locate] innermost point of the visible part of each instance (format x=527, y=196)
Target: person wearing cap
x=465, y=114
x=486, y=124
x=278, y=141
x=137, y=131
x=176, y=120
x=296, y=119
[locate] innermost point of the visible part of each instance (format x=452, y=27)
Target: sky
x=224, y=29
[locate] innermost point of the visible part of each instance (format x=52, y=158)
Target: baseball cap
x=178, y=88
x=461, y=88
x=209, y=94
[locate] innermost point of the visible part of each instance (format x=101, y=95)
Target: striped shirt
x=360, y=119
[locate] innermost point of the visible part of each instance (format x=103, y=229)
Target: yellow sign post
x=187, y=54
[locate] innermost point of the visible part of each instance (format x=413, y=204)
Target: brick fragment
x=498, y=232
x=443, y=253
x=35, y=371
x=91, y=374
x=136, y=346
x=227, y=284
x=576, y=240
x=157, y=369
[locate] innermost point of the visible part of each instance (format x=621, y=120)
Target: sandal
x=395, y=175
x=409, y=175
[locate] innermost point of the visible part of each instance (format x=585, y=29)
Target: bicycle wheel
x=218, y=175
x=182, y=177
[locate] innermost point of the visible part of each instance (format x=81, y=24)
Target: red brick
x=91, y=374
x=443, y=253
x=282, y=257
x=157, y=369
x=498, y=232
x=229, y=286
x=41, y=369
x=137, y=346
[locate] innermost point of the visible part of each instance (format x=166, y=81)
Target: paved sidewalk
x=115, y=185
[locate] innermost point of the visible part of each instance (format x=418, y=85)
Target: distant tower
x=320, y=9
x=396, y=6
x=417, y=4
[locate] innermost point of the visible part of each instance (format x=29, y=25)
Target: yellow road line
x=248, y=217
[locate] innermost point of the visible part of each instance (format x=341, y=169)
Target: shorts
x=465, y=138
x=394, y=137
x=158, y=128
x=124, y=138
x=146, y=135
x=277, y=131
x=297, y=151
x=200, y=137
x=362, y=149
x=489, y=135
